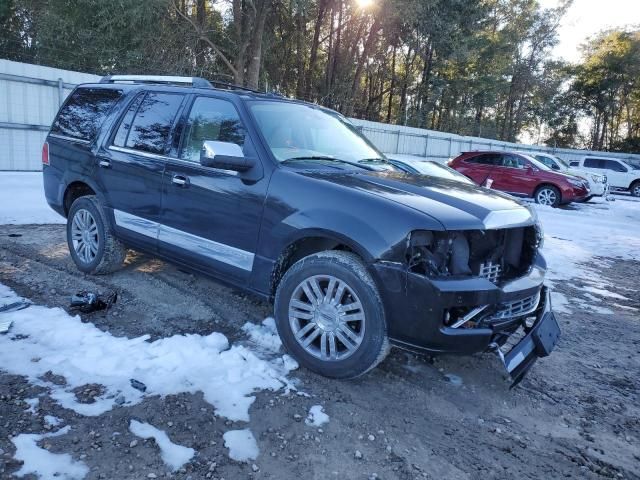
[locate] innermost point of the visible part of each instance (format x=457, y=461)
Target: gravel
x=575, y=415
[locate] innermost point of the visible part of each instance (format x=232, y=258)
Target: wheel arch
x=307, y=243
x=547, y=184
x=73, y=191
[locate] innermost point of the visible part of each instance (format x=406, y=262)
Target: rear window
x=84, y=112
x=485, y=159
x=150, y=128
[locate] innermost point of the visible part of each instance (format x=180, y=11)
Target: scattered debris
x=88, y=302
x=5, y=325
x=14, y=307
x=453, y=379
x=138, y=385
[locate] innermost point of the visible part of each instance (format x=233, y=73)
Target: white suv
x=597, y=182
x=621, y=175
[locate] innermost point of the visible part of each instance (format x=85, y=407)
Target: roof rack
x=233, y=86
x=173, y=80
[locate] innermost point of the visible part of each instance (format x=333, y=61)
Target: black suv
x=287, y=200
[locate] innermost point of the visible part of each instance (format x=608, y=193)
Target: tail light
x=45, y=153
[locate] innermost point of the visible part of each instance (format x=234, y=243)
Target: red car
x=522, y=176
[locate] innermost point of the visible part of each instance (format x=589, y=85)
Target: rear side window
x=151, y=126
x=574, y=164
x=83, y=113
x=486, y=159
x=593, y=163
x=120, y=138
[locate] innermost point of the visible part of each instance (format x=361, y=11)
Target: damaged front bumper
x=418, y=309
x=539, y=340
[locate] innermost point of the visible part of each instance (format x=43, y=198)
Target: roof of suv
x=192, y=83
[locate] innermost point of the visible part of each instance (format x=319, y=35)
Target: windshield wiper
x=326, y=157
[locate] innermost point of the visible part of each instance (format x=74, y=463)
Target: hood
x=456, y=205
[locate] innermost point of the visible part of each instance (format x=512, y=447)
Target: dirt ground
x=576, y=415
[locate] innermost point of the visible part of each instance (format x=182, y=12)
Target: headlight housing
x=576, y=183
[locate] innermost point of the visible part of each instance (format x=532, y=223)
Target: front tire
x=93, y=247
x=548, y=195
x=635, y=189
x=330, y=316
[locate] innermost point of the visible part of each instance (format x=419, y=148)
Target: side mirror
x=555, y=166
x=225, y=156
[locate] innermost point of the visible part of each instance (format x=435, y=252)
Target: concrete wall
x=30, y=96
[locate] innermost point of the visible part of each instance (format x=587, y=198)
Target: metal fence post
x=450, y=141
x=60, y=92
x=398, y=141
x=426, y=145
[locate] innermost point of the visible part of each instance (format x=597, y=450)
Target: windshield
x=293, y=130
x=436, y=170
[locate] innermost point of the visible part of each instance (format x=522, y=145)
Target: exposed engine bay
x=497, y=255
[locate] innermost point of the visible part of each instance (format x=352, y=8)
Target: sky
x=586, y=18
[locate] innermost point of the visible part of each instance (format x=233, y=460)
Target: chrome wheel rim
x=327, y=318
x=84, y=235
x=636, y=191
x=546, y=197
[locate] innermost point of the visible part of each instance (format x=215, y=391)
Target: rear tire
x=93, y=247
x=330, y=315
x=548, y=195
x=635, y=189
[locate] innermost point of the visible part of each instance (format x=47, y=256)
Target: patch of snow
x=51, y=420
x=317, y=417
x=84, y=354
x=33, y=404
x=604, y=293
x=241, y=444
x=264, y=335
x=585, y=231
x=173, y=455
x=598, y=309
x=626, y=307
x=578, y=239
x=559, y=302
x=44, y=464
x=22, y=200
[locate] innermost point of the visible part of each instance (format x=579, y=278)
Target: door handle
x=104, y=163
x=180, y=180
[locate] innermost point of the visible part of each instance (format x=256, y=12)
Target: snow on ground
x=265, y=335
x=22, y=200
x=52, y=421
x=316, y=417
x=576, y=236
x=44, y=464
x=43, y=339
x=241, y=444
x=32, y=402
x=173, y=455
